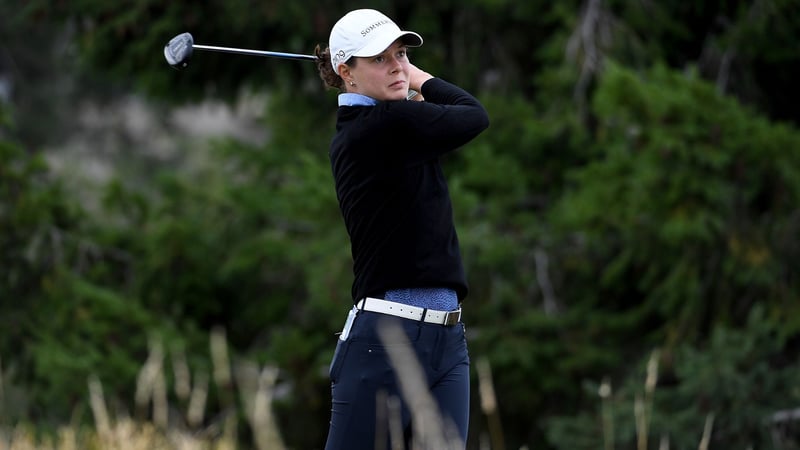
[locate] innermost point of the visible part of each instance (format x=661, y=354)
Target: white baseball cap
x=365, y=32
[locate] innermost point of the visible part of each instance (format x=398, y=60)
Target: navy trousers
x=361, y=374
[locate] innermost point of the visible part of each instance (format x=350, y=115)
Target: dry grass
x=643, y=410
x=153, y=429
x=124, y=434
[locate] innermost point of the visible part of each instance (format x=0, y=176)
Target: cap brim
x=378, y=45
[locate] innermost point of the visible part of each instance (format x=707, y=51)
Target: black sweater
x=392, y=192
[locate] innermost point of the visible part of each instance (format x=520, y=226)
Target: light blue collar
x=353, y=99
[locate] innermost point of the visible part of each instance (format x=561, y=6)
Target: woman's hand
x=416, y=78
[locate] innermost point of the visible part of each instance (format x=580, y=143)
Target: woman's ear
x=344, y=72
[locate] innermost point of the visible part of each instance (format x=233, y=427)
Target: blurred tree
x=230, y=246
x=694, y=198
x=498, y=44
x=39, y=96
x=59, y=318
x=739, y=377
x=618, y=203
x=676, y=217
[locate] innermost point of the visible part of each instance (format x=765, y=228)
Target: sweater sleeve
x=447, y=119
x=441, y=92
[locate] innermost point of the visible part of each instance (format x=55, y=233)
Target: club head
x=178, y=50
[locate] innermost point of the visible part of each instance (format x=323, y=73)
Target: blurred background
x=629, y=221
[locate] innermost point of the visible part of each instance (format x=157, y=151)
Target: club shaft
x=244, y=51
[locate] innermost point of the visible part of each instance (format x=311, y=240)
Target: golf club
x=179, y=49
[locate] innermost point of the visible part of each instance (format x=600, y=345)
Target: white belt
x=446, y=318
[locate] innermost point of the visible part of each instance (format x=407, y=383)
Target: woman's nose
x=396, y=66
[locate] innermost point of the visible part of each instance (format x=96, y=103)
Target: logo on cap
x=366, y=31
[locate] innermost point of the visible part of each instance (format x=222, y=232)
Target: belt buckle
x=452, y=317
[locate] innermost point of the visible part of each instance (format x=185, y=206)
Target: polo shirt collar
x=353, y=99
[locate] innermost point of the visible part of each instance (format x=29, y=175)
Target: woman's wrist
x=422, y=81
x=417, y=78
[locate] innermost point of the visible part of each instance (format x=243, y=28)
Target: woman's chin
x=397, y=95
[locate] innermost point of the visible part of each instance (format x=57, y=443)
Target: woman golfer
x=397, y=211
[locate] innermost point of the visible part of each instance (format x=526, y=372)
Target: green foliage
x=741, y=377
x=610, y=208
x=88, y=330
x=59, y=325
x=127, y=43
x=693, y=198
x=231, y=245
x=676, y=218
x=33, y=213
x=35, y=71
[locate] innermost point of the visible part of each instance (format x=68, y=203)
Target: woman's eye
x=401, y=54
x=379, y=59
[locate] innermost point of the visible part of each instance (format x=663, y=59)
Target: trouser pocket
x=338, y=359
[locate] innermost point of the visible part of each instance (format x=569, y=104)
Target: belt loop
x=424, y=313
x=363, y=303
